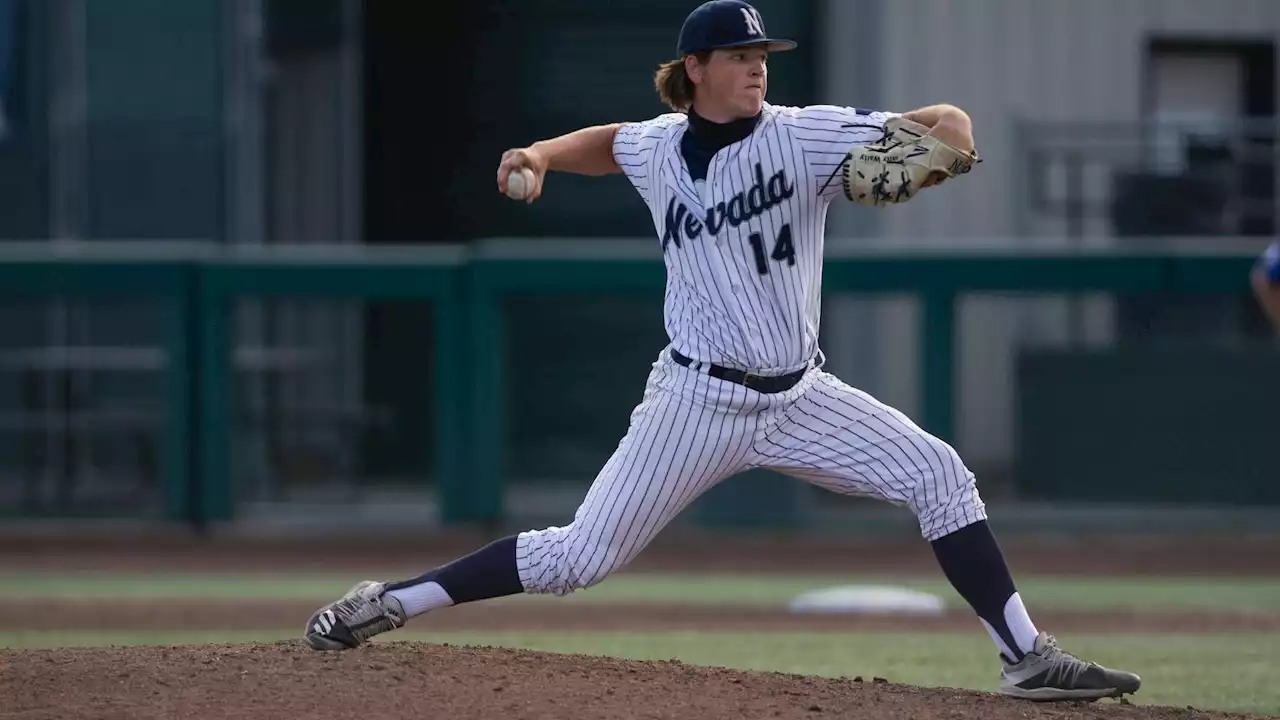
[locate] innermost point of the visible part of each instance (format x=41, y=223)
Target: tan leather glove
x=898, y=165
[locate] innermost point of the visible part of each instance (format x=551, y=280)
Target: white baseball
x=519, y=184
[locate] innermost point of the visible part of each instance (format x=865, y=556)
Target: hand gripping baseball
x=520, y=174
x=904, y=160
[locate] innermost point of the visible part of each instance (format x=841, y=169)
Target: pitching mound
x=413, y=680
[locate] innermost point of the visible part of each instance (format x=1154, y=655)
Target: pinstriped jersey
x=743, y=249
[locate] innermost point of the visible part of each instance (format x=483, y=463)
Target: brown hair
x=675, y=88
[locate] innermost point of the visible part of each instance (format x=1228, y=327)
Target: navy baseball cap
x=725, y=23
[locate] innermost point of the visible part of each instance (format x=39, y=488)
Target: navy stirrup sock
x=973, y=563
x=489, y=572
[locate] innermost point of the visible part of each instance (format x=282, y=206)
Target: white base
x=868, y=599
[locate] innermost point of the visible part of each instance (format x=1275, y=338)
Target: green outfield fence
x=466, y=286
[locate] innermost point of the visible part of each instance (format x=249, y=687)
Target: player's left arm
x=824, y=134
x=1265, y=280
x=949, y=124
x=829, y=134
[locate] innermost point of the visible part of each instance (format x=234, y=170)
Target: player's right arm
x=626, y=148
x=1265, y=279
x=588, y=151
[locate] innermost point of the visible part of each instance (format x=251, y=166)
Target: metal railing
x=1168, y=177
x=467, y=288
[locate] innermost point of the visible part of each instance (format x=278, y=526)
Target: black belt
x=760, y=383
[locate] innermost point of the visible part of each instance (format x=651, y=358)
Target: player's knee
x=960, y=507
x=585, y=568
x=563, y=561
x=588, y=573
x=946, y=495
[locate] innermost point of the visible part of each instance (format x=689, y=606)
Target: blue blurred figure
x=1266, y=283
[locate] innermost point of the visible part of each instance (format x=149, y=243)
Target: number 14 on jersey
x=784, y=250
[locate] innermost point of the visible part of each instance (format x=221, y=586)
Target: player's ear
x=693, y=68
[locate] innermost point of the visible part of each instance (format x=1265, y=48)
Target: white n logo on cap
x=754, y=25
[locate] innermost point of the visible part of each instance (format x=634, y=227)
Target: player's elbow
x=948, y=123
x=934, y=114
x=953, y=117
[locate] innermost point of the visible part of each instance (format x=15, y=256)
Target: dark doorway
x=417, y=122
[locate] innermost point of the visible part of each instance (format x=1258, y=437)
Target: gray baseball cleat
x=366, y=610
x=1050, y=673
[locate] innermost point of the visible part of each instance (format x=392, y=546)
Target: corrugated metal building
x=1022, y=68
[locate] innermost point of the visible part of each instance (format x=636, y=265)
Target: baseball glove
x=895, y=167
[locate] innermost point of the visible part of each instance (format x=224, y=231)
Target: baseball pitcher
x=738, y=190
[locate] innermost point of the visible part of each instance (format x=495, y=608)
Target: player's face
x=734, y=81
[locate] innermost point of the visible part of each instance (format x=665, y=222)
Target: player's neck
x=716, y=130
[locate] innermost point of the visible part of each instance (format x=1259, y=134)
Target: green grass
x=1225, y=672
x=1219, y=671
x=1222, y=671
x=1039, y=592
x=1058, y=592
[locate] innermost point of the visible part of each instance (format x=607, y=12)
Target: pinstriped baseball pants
x=690, y=431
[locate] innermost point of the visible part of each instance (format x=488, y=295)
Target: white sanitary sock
x=1019, y=623
x=421, y=598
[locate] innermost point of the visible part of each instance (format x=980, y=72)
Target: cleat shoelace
x=1065, y=669
x=364, y=617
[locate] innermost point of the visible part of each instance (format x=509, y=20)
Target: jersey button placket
x=708, y=199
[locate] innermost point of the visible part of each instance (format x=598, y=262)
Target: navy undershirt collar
x=705, y=138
